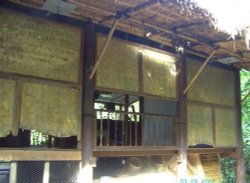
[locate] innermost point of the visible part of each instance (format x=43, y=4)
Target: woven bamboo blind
x=38, y=48
x=50, y=110
x=6, y=106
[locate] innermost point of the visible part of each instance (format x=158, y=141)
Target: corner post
x=88, y=103
x=240, y=164
x=182, y=114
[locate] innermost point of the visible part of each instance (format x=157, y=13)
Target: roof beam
x=191, y=25
x=125, y=12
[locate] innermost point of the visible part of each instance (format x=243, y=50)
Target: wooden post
x=46, y=171
x=88, y=104
x=182, y=114
x=126, y=122
x=240, y=168
x=17, y=107
x=13, y=172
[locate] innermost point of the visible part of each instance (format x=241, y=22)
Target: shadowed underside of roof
x=165, y=20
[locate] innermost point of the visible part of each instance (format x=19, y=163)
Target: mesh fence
x=64, y=171
x=33, y=172
x=30, y=172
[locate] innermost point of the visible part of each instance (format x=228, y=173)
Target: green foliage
x=245, y=88
x=228, y=170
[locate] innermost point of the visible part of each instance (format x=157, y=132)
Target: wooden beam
x=240, y=164
x=88, y=116
x=199, y=71
x=39, y=155
x=233, y=155
x=33, y=79
x=224, y=150
x=17, y=108
x=13, y=172
x=242, y=65
x=130, y=10
x=111, y=32
x=182, y=116
x=46, y=171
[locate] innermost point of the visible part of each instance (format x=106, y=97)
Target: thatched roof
x=166, y=19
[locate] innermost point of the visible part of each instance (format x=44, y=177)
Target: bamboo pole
x=111, y=32
x=247, y=95
x=199, y=71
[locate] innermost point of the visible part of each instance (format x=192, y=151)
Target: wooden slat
x=75, y=155
x=13, y=172
x=46, y=171
x=17, y=108
x=39, y=155
x=33, y=79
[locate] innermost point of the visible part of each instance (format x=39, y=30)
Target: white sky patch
x=231, y=16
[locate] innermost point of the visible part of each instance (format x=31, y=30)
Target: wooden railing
x=134, y=129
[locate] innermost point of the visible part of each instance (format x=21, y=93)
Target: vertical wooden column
x=17, y=107
x=88, y=104
x=126, y=129
x=46, y=171
x=182, y=114
x=240, y=168
x=13, y=172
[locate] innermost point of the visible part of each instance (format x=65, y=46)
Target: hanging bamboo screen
x=119, y=67
x=214, y=85
x=159, y=74
x=6, y=106
x=38, y=48
x=200, y=125
x=47, y=51
x=225, y=128
x=51, y=110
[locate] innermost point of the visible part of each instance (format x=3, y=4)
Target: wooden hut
x=120, y=86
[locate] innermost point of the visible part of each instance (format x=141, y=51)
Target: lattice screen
x=39, y=172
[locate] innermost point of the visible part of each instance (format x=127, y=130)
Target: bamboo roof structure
x=165, y=20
